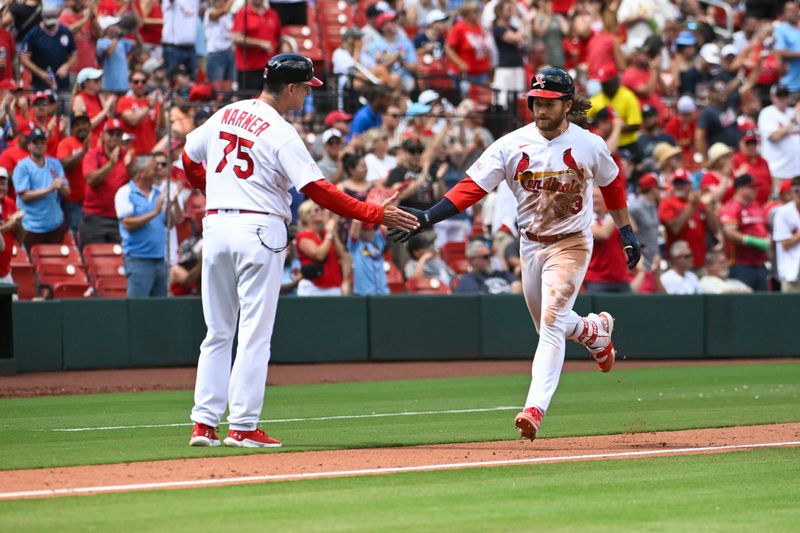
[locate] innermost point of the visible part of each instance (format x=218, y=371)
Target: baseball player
x=252, y=158
x=551, y=166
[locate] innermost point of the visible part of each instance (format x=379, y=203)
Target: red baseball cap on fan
x=336, y=116
x=607, y=72
x=113, y=124
x=648, y=182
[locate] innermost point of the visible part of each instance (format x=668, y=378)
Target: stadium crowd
x=697, y=102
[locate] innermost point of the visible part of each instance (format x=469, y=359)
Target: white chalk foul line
x=308, y=419
x=371, y=471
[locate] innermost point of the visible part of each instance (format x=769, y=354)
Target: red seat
x=53, y=273
x=104, y=249
x=55, y=253
x=24, y=277
x=71, y=289
x=114, y=287
x=19, y=256
x=105, y=267
x=394, y=278
x=432, y=73
x=427, y=286
x=308, y=42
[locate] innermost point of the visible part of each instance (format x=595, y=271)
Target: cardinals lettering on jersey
x=550, y=180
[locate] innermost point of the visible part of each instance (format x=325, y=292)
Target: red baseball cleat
x=528, y=422
x=596, y=336
x=203, y=435
x=250, y=439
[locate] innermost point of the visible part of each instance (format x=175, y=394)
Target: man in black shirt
x=481, y=278
x=651, y=133
x=420, y=189
x=717, y=122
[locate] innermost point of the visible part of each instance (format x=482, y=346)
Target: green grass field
x=740, y=491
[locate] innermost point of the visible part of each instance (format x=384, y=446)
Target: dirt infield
x=280, y=467
x=148, y=379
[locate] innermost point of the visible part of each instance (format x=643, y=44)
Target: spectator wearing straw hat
x=40, y=183
x=104, y=168
x=667, y=159
x=717, y=182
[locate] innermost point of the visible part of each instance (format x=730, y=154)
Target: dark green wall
x=82, y=334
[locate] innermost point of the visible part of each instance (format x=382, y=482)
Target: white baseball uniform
x=552, y=181
x=253, y=157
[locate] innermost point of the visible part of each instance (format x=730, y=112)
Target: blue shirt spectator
x=364, y=119
x=366, y=245
x=140, y=209
x=42, y=214
x=787, y=38
x=112, y=53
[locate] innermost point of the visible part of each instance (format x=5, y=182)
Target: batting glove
x=630, y=245
x=424, y=219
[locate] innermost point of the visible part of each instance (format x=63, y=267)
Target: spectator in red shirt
x=256, y=34
x=104, y=168
x=16, y=152
x=643, y=76
x=746, y=235
x=686, y=219
x=80, y=16
x=324, y=261
x=603, y=51
x=8, y=52
x=682, y=127
x=10, y=227
x=70, y=153
x=43, y=107
x=717, y=183
x=86, y=99
x=608, y=269
x=468, y=48
x=748, y=161
x=152, y=21
x=141, y=114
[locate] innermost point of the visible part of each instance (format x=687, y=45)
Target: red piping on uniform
x=614, y=194
x=328, y=196
x=465, y=194
x=195, y=172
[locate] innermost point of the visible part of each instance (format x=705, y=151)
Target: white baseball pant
x=241, y=278
x=552, y=275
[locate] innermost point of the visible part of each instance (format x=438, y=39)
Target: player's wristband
x=756, y=242
x=443, y=209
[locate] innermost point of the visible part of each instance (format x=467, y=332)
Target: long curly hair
x=580, y=106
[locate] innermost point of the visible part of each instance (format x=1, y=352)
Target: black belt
x=179, y=46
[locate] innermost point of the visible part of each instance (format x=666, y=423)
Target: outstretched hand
x=398, y=219
x=421, y=217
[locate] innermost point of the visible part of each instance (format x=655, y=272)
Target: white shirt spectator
x=782, y=156
x=674, y=283
x=378, y=169
x=715, y=285
x=180, y=21
x=218, y=32
x=786, y=223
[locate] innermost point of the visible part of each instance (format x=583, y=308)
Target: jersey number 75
x=234, y=141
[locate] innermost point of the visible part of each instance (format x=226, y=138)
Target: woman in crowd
x=325, y=263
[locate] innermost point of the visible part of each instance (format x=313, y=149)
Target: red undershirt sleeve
x=195, y=172
x=614, y=195
x=328, y=196
x=465, y=193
